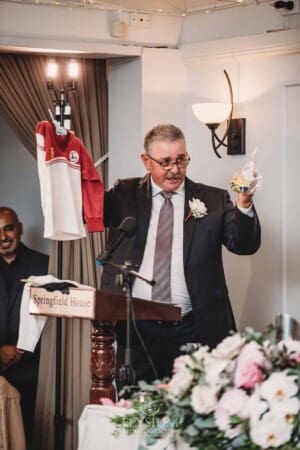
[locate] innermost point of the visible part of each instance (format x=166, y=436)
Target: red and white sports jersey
x=70, y=185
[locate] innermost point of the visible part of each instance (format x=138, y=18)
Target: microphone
x=127, y=229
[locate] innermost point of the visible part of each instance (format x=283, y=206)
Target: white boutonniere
x=197, y=209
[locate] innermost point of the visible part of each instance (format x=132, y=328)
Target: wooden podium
x=109, y=308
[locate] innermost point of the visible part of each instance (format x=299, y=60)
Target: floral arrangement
x=197, y=209
x=242, y=395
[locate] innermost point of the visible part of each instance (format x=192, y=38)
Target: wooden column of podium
x=109, y=308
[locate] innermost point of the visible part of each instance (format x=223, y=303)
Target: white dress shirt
x=179, y=293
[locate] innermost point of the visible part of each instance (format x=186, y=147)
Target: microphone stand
x=126, y=371
x=59, y=418
x=63, y=117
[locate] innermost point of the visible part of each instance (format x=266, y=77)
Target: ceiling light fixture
x=60, y=95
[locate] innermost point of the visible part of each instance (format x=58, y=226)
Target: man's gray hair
x=162, y=132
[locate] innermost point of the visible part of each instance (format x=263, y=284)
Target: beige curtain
x=24, y=101
x=79, y=265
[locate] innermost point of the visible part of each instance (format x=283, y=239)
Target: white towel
x=31, y=326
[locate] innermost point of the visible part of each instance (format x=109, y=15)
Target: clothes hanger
x=59, y=130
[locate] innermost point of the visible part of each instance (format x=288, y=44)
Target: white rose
x=286, y=410
x=202, y=353
x=198, y=208
x=182, y=363
x=231, y=403
x=229, y=347
x=292, y=346
x=203, y=399
x=254, y=407
x=180, y=383
x=270, y=431
x=278, y=387
x=213, y=371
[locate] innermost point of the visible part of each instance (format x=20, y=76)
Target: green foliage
x=128, y=423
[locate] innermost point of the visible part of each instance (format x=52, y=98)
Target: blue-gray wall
x=19, y=187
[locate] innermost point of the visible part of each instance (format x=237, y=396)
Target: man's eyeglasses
x=166, y=164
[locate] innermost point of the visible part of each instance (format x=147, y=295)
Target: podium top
x=112, y=306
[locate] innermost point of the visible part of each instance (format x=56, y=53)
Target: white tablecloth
x=96, y=432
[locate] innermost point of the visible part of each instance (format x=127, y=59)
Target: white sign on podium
x=80, y=302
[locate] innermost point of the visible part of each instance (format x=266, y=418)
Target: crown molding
x=277, y=42
x=17, y=44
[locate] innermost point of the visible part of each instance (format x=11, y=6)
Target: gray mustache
x=174, y=177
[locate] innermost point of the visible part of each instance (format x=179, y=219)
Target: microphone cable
x=142, y=342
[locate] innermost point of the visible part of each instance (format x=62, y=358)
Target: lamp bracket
x=213, y=127
x=235, y=134
x=236, y=140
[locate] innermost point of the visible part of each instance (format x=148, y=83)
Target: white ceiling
x=169, y=7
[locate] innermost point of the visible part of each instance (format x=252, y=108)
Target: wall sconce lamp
x=213, y=114
x=60, y=96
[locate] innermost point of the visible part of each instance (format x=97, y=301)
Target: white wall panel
x=291, y=204
x=125, y=119
x=255, y=282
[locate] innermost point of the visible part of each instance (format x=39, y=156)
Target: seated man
x=16, y=262
x=11, y=423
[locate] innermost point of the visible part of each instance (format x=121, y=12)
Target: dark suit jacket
x=202, y=246
x=29, y=262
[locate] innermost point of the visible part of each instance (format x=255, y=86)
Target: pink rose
x=124, y=403
x=121, y=403
x=249, y=364
x=247, y=375
x=106, y=401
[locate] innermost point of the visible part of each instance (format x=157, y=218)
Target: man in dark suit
x=197, y=278
x=16, y=262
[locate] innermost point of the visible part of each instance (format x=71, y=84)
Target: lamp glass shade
x=52, y=69
x=73, y=69
x=211, y=113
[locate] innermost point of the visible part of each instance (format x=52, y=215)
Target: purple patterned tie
x=161, y=291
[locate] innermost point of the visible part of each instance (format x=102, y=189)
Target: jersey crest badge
x=73, y=156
